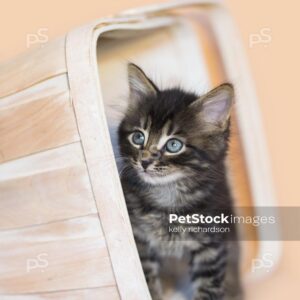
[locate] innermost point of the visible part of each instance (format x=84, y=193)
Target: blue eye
x=174, y=145
x=138, y=138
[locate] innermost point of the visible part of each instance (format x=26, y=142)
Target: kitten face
x=169, y=135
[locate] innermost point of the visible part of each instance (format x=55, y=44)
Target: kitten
x=174, y=144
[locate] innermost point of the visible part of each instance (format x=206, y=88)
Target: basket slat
x=46, y=197
x=33, y=67
x=36, y=126
x=55, y=257
x=53, y=86
x=104, y=293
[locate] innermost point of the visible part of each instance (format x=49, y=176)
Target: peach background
x=275, y=67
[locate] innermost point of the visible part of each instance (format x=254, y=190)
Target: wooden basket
x=64, y=227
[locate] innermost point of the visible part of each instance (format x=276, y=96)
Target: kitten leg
x=150, y=263
x=208, y=268
x=233, y=286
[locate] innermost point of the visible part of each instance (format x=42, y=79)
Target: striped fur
x=190, y=181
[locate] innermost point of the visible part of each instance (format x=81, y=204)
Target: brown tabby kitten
x=174, y=144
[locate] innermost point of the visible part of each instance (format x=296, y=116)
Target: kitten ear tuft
x=216, y=105
x=139, y=84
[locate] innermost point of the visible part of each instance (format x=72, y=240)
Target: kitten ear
x=139, y=84
x=216, y=106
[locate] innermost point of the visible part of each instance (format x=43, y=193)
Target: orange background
x=275, y=67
